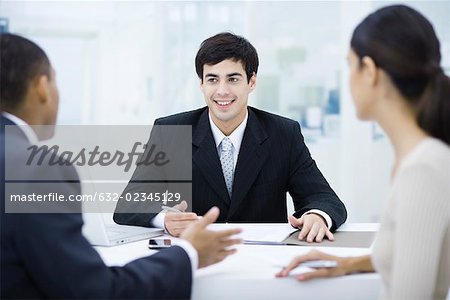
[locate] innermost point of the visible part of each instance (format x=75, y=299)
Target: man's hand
x=212, y=246
x=314, y=228
x=175, y=223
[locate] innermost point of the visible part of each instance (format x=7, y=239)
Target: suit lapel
x=252, y=157
x=205, y=157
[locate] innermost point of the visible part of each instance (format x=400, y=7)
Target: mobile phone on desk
x=156, y=244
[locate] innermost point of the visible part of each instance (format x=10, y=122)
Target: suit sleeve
x=308, y=187
x=63, y=264
x=166, y=181
x=144, y=180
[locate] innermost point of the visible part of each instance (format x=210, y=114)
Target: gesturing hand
x=212, y=246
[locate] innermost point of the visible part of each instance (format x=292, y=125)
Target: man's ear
x=252, y=81
x=41, y=87
x=370, y=70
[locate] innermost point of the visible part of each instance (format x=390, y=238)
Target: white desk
x=249, y=274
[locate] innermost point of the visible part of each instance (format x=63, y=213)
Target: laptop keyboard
x=116, y=231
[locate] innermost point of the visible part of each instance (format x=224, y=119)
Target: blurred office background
x=129, y=62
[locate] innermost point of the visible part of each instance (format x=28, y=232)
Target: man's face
x=226, y=89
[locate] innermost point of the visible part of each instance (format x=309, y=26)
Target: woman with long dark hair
x=396, y=79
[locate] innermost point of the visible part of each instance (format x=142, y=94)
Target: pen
x=172, y=209
x=248, y=242
x=317, y=264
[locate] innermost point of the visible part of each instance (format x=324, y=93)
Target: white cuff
x=321, y=213
x=158, y=221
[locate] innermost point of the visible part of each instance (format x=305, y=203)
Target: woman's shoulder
x=431, y=153
x=423, y=178
x=428, y=162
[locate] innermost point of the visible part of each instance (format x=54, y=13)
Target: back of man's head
x=224, y=46
x=21, y=61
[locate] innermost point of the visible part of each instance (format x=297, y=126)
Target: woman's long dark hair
x=402, y=42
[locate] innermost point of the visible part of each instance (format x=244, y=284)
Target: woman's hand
x=345, y=265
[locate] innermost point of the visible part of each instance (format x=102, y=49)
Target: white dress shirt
x=235, y=137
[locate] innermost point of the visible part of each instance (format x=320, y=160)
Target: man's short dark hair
x=224, y=46
x=20, y=62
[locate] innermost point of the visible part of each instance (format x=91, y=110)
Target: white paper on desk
x=259, y=232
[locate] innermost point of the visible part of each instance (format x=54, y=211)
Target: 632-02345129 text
x=163, y=197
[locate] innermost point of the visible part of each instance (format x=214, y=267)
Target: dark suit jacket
x=273, y=159
x=46, y=255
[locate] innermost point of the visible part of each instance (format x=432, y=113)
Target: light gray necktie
x=226, y=159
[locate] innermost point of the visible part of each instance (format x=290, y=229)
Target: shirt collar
x=236, y=136
x=26, y=129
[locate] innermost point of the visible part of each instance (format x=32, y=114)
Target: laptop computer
x=103, y=179
x=99, y=227
x=101, y=233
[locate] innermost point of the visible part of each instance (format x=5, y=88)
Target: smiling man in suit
x=244, y=160
x=45, y=255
